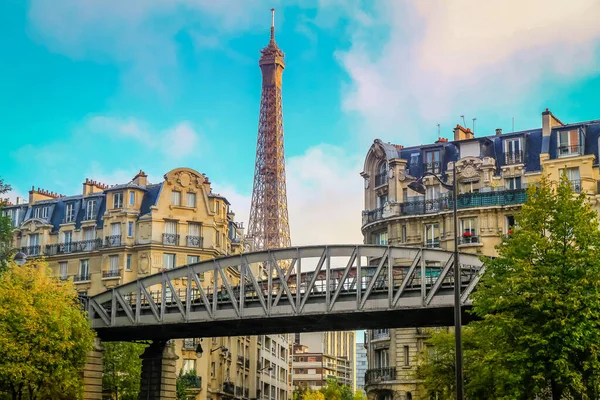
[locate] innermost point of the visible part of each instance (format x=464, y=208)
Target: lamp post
x=20, y=258
x=418, y=187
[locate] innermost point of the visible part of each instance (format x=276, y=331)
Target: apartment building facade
x=492, y=174
x=110, y=235
x=362, y=364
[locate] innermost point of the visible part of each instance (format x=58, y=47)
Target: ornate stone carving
x=367, y=182
x=144, y=263
x=402, y=175
x=184, y=179
x=391, y=173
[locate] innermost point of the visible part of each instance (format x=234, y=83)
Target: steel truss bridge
x=301, y=289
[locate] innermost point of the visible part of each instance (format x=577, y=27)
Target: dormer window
x=513, y=153
x=570, y=143
x=90, y=210
x=118, y=200
x=40, y=212
x=432, y=162
x=69, y=212
x=381, y=177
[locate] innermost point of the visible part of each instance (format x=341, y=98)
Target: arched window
x=408, y=396
x=382, y=168
x=381, y=177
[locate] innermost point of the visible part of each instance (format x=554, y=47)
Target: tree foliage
x=539, y=307
x=122, y=368
x=6, y=230
x=185, y=382
x=44, y=335
x=332, y=390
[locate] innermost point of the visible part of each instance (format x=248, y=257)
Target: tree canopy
x=333, y=390
x=122, y=368
x=6, y=230
x=539, y=307
x=44, y=335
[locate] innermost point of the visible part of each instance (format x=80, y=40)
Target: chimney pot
x=498, y=131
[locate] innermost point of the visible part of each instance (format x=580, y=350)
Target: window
x=381, y=177
x=432, y=161
x=191, y=199
x=70, y=212
x=381, y=200
x=115, y=229
x=131, y=198
x=512, y=151
x=403, y=237
x=212, y=370
x=381, y=238
x=176, y=199
x=130, y=229
x=405, y=194
x=406, y=356
x=469, y=187
x=468, y=228
x=67, y=239
x=84, y=270
x=168, y=261
x=89, y=234
x=62, y=269
x=118, y=200
x=90, y=210
x=113, y=267
x=432, y=235
x=217, y=237
x=189, y=364
x=513, y=183
x=44, y=212
x=510, y=223
x=36, y=213
x=128, y=264
x=382, y=358
x=569, y=143
x=573, y=177
x=432, y=194
x=193, y=259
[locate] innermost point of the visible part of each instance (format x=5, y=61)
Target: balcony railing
x=112, y=241
x=193, y=241
x=241, y=359
x=239, y=391
x=466, y=239
x=191, y=381
x=228, y=387
x=111, y=273
x=373, y=215
x=576, y=186
x=432, y=243
x=377, y=375
x=247, y=393
x=81, y=277
x=513, y=157
x=434, y=167
x=570, y=150
x=171, y=239
x=73, y=247
x=189, y=344
x=381, y=334
x=381, y=179
x=31, y=250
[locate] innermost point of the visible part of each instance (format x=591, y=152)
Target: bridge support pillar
x=92, y=373
x=159, y=375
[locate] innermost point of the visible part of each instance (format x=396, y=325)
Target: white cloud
x=180, y=141
x=117, y=127
x=446, y=56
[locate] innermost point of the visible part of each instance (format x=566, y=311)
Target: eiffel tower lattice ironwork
x=269, y=227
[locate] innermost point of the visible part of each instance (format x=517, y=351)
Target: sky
x=100, y=89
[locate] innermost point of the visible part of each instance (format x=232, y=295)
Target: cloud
x=442, y=57
x=180, y=141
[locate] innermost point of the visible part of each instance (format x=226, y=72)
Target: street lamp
x=225, y=349
x=418, y=187
x=20, y=258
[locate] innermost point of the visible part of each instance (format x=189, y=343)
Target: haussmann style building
x=492, y=173
x=109, y=235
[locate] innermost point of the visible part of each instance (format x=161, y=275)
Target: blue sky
x=102, y=88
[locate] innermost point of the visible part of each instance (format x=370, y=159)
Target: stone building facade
x=110, y=235
x=492, y=174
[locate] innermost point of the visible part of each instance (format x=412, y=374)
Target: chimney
x=90, y=186
x=442, y=140
x=498, y=131
x=38, y=194
x=549, y=121
x=20, y=200
x=141, y=179
x=462, y=133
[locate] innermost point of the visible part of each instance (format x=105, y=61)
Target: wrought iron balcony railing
x=170, y=239
x=191, y=381
x=432, y=243
x=194, y=241
x=570, y=150
x=31, y=250
x=373, y=215
x=81, y=277
x=228, y=387
x=239, y=391
x=381, y=334
x=435, y=167
x=111, y=273
x=377, y=375
x=73, y=247
x=576, y=186
x=112, y=241
x=466, y=239
x=189, y=344
x=381, y=179
x=513, y=157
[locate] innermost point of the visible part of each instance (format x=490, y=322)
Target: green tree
x=122, y=368
x=313, y=395
x=538, y=304
x=6, y=230
x=44, y=335
x=185, y=382
x=333, y=390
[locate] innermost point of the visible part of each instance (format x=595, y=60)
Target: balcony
x=170, y=239
x=191, y=382
x=576, y=186
x=228, y=387
x=73, y=247
x=381, y=179
x=194, y=241
x=513, y=157
x=189, y=344
x=570, y=150
x=112, y=241
x=468, y=238
x=111, y=274
x=434, y=167
x=81, y=278
x=381, y=334
x=240, y=359
x=377, y=375
x=247, y=393
x=432, y=243
x=239, y=391
x=31, y=251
